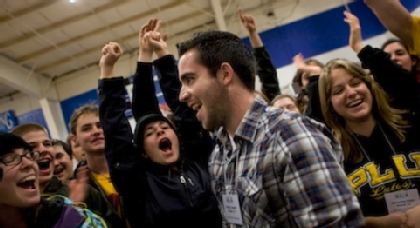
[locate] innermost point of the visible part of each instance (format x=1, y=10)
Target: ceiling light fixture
x=73, y=1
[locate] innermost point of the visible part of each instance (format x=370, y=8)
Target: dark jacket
x=98, y=203
x=56, y=187
x=154, y=195
x=267, y=73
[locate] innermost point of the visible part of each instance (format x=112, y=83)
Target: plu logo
x=7, y=121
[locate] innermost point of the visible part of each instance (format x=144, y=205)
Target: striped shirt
x=286, y=171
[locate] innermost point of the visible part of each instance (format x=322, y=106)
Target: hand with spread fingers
x=157, y=41
x=355, y=39
x=150, y=40
x=144, y=47
x=311, y=69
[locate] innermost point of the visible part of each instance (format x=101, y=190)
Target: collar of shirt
x=247, y=128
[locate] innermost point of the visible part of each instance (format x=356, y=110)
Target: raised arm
x=167, y=71
x=195, y=140
x=121, y=155
x=398, y=83
x=313, y=109
x=394, y=17
x=144, y=93
x=265, y=67
x=315, y=184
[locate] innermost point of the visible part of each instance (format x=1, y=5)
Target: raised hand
x=150, y=40
x=355, y=38
x=247, y=21
x=299, y=62
x=157, y=42
x=143, y=45
x=111, y=52
x=79, y=186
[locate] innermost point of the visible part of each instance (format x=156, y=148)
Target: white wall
x=286, y=73
x=20, y=103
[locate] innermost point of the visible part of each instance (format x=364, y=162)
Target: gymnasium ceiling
x=54, y=38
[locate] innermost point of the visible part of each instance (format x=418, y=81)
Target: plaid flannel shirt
x=286, y=171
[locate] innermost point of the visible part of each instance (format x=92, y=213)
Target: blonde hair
x=381, y=109
x=83, y=110
x=24, y=128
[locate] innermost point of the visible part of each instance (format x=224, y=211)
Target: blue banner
x=8, y=121
x=35, y=116
x=91, y=97
x=71, y=104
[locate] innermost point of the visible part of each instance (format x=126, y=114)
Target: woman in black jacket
x=163, y=175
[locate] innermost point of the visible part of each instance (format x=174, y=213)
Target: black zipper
x=185, y=184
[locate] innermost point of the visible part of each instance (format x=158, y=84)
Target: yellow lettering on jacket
x=371, y=175
x=401, y=164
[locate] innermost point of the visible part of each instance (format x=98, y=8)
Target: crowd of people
x=344, y=152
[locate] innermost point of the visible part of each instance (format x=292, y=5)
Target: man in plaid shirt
x=270, y=167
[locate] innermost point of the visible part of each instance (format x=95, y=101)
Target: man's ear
x=226, y=73
x=73, y=138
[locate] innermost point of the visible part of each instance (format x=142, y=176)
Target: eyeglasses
x=15, y=159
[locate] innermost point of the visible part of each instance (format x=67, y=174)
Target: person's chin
x=361, y=114
x=28, y=198
x=95, y=151
x=31, y=201
x=206, y=126
x=99, y=147
x=172, y=159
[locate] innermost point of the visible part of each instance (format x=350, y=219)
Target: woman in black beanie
x=162, y=171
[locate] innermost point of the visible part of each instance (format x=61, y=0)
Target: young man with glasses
x=37, y=137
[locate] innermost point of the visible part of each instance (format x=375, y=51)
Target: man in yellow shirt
x=87, y=132
x=105, y=183
x=397, y=19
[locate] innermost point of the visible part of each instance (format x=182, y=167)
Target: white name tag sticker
x=401, y=201
x=232, y=209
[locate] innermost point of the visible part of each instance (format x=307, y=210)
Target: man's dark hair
x=216, y=47
x=66, y=147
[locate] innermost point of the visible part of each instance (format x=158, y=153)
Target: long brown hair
x=381, y=109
